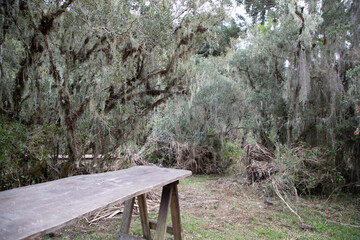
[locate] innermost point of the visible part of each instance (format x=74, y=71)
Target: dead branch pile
x=315, y=171
x=307, y=171
x=134, y=157
x=198, y=159
x=313, y=159
x=260, y=162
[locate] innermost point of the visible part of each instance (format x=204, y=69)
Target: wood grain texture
x=31, y=211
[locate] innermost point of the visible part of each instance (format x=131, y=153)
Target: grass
x=226, y=208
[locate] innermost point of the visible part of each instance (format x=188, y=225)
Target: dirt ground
x=228, y=208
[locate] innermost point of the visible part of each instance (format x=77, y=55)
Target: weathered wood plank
x=163, y=212
x=127, y=215
x=175, y=212
x=34, y=210
x=144, y=216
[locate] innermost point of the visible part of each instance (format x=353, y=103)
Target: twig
x=97, y=214
x=114, y=213
x=105, y=213
x=53, y=168
x=296, y=195
x=101, y=217
x=279, y=195
x=204, y=202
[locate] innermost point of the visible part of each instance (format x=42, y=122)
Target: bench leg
x=169, y=199
x=126, y=218
x=175, y=212
x=163, y=212
x=144, y=216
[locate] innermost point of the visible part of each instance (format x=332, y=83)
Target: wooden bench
x=32, y=211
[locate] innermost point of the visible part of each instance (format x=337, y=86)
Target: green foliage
x=231, y=152
x=12, y=149
x=214, y=108
x=207, y=122
x=99, y=69
x=258, y=9
x=96, y=68
x=25, y=153
x=299, y=63
x=354, y=90
x=225, y=35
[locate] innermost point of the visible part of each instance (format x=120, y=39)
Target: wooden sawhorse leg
x=126, y=218
x=144, y=217
x=127, y=215
x=169, y=199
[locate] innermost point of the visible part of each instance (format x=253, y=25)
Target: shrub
x=25, y=153
x=309, y=171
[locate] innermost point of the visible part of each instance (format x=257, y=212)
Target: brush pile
x=198, y=159
x=260, y=163
x=309, y=170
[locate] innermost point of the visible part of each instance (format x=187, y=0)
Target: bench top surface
x=34, y=210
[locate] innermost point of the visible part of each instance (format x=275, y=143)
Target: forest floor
x=227, y=208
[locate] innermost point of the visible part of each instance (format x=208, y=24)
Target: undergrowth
x=307, y=170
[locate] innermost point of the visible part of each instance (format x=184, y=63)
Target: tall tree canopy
x=89, y=76
x=93, y=69
x=303, y=56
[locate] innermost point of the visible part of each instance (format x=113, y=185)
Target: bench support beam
x=175, y=212
x=126, y=218
x=163, y=212
x=169, y=201
x=144, y=216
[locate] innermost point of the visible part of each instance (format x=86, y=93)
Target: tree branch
x=47, y=21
